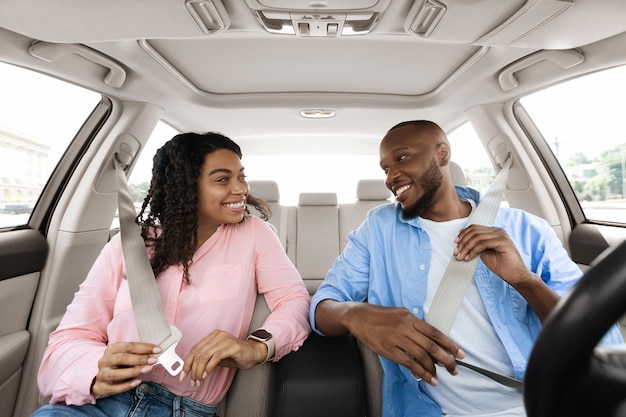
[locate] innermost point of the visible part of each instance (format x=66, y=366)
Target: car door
x=40, y=118
x=577, y=128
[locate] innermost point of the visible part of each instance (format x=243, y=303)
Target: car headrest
x=317, y=199
x=457, y=174
x=267, y=190
x=372, y=190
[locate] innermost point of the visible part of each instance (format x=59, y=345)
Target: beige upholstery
x=265, y=189
x=282, y=217
x=370, y=194
x=373, y=371
x=268, y=191
x=317, y=240
x=314, y=232
x=372, y=190
x=249, y=394
x=457, y=174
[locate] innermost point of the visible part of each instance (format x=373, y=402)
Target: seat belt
x=459, y=274
x=152, y=326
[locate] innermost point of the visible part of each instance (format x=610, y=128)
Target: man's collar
x=464, y=193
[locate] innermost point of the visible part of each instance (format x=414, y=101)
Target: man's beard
x=430, y=182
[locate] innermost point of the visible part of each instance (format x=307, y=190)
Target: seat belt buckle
x=168, y=358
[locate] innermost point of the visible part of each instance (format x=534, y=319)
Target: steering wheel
x=567, y=375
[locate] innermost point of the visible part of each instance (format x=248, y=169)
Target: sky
x=591, y=127
x=59, y=114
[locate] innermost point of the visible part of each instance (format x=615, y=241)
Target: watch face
x=262, y=334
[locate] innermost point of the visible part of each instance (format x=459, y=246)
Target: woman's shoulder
x=251, y=229
x=252, y=224
x=252, y=219
x=115, y=243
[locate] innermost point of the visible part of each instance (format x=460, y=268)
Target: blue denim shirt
x=386, y=262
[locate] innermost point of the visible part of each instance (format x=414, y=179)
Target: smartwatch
x=264, y=337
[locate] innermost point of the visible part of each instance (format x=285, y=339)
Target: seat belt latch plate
x=168, y=358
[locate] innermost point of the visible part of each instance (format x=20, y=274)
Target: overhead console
x=316, y=18
x=522, y=23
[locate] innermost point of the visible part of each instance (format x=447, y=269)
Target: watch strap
x=267, y=341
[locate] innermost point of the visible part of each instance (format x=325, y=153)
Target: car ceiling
x=212, y=65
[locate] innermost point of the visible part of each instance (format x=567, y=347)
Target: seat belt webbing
x=502, y=379
x=152, y=326
x=459, y=274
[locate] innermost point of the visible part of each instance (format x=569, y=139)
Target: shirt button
x=422, y=267
x=416, y=310
x=174, y=299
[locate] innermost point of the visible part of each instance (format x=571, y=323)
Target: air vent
x=317, y=24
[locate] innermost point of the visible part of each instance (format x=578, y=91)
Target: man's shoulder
x=384, y=209
x=383, y=213
x=521, y=224
x=467, y=193
x=512, y=214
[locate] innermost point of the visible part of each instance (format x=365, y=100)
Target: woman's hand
x=121, y=365
x=221, y=348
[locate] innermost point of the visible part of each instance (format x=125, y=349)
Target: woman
x=210, y=260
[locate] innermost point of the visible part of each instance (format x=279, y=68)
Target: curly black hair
x=169, y=214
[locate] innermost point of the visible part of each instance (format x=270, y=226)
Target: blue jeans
x=146, y=400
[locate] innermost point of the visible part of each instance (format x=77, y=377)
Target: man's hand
x=496, y=250
x=221, y=348
x=121, y=365
x=499, y=254
x=393, y=333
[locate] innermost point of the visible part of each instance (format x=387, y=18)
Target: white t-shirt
x=468, y=393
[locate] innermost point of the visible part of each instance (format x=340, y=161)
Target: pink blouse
x=228, y=270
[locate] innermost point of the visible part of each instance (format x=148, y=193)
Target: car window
x=307, y=173
x=340, y=173
x=469, y=153
x=139, y=180
x=39, y=116
x=582, y=122
x=311, y=173
x=296, y=174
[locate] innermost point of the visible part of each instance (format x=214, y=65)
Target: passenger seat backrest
x=317, y=239
x=457, y=174
x=251, y=392
x=281, y=216
x=370, y=193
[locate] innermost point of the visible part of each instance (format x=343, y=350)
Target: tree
x=578, y=158
x=139, y=191
x=613, y=161
x=597, y=187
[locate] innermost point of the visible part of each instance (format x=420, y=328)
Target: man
x=382, y=285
